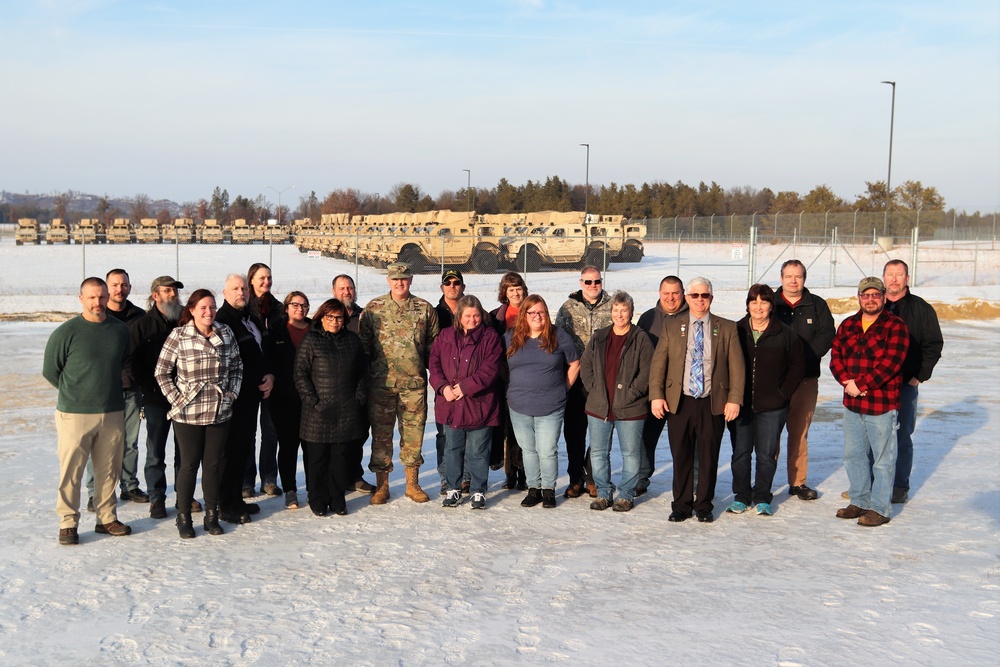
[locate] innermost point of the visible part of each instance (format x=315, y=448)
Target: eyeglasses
x=333, y=318
x=535, y=313
x=295, y=304
x=593, y=282
x=870, y=297
x=452, y=283
x=701, y=295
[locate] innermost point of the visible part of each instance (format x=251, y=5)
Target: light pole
x=270, y=235
x=888, y=178
x=586, y=191
x=468, y=190
x=378, y=203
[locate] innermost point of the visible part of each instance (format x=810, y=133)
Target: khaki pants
x=82, y=436
x=800, y=415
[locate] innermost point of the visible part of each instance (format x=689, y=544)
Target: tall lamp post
x=468, y=190
x=270, y=235
x=586, y=191
x=888, y=178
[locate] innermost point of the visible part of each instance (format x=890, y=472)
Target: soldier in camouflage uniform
x=584, y=312
x=397, y=331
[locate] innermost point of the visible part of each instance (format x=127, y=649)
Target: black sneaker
x=136, y=495
x=533, y=498
x=705, y=516
x=548, y=498
x=803, y=492
x=453, y=499
x=899, y=495
x=478, y=501
x=158, y=509
x=237, y=516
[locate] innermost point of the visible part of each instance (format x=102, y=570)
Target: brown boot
x=413, y=490
x=381, y=494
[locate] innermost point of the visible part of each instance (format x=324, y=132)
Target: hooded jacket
x=631, y=381
x=652, y=320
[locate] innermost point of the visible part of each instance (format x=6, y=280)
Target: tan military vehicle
x=57, y=232
x=181, y=231
x=210, y=231
x=561, y=243
x=27, y=232
x=120, y=231
x=633, y=249
x=447, y=242
x=275, y=233
x=90, y=230
x=148, y=231
x=242, y=232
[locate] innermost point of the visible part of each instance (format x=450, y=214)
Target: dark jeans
x=441, y=444
x=157, y=428
x=200, y=446
x=755, y=434
x=468, y=452
x=575, y=435
x=652, y=429
x=239, y=446
x=695, y=432
x=268, y=452
x=330, y=474
x=287, y=418
x=908, y=395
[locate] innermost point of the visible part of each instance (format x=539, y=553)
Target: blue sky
x=174, y=98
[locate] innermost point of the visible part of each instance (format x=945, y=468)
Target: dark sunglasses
x=452, y=283
x=593, y=282
x=702, y=295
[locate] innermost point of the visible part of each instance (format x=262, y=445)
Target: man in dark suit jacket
x=698, y=379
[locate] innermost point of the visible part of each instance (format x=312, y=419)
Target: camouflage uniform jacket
x=580, y=319
x=397, y=340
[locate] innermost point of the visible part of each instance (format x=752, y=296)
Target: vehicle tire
x=485, y=261
x=414, y=259
x=528, y=259
x=595, y=257
x=632, y=254
x=18, y=242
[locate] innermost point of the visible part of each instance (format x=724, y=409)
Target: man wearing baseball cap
x=867, y=357
x=452, y=289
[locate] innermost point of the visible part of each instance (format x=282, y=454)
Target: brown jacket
x=666, y=374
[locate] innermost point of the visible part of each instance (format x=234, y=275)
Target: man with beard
x=867, y=358
x=123, y=310
x=923, y=354
x=344, y=290
x=256, y=373
x=146, y=337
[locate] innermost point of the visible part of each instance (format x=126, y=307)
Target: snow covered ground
x=418, y=584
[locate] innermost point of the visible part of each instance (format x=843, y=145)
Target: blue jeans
x=630, y=442
x=268, y=451
x=904, y=441
x=468, y=450
x=538, y=438
x=130, y=457
x=870, y=438
x=755, y=435
x=440, y=442
x=157, y=428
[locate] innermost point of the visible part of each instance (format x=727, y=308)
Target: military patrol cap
x=166, y=281
x=871, y=282
x=399, y=270
x=452, y=273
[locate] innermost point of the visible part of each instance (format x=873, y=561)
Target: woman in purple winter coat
x=464, y=371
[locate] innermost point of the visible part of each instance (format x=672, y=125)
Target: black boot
x=212, y=521
x=548, y=498
x=184, y=527
x=533, y=498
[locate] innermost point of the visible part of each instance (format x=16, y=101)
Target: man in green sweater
x=83, y=360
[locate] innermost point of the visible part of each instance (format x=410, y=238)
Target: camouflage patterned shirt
x=397, y=340
x=580, y=319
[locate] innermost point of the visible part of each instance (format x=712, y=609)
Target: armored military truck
x=560, y=244
x=120, y=231
x=181, y=231
x=27, y=232
x=148, y=231
x=241, y=232
x=57, y=232
x=90, y=230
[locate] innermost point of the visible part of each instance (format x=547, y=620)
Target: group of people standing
x=505, y=384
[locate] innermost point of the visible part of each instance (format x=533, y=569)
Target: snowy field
x=416, y=584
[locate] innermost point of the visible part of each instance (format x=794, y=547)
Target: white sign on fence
x=737, y=251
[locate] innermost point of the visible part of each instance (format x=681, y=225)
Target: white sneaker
x=478, y=501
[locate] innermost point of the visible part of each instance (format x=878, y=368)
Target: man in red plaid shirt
x=867, y=356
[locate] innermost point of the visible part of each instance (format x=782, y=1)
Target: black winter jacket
x=146, y=337
x=811, y=319
x=775, y=364
x=631, y=382
x=652, y=320
x=926, y=341
x=255, y=363
x=331, y=374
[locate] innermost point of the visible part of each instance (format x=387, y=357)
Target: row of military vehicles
x=480, y=243
x=149, y=230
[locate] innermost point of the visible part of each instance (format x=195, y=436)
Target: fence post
x=751, y=263
x=83, y=250
x=678, y=271
x=357, y=242
x=975, y=260
x=915, y=246
x=833, y=259
x=177, y=255
x=675, y=226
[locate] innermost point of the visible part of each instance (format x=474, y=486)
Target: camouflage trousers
x=386, y=405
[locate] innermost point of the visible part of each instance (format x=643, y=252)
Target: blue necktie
x=697, y=355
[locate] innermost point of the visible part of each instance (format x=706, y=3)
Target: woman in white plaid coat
x=200, y=373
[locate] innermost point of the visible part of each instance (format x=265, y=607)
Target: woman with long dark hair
x=200, y=373
x=331, y=378
x=511, y=295
x=464, y=372
x=543, y=364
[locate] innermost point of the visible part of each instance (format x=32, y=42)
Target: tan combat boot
x=381, y=494
x=413, y=490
